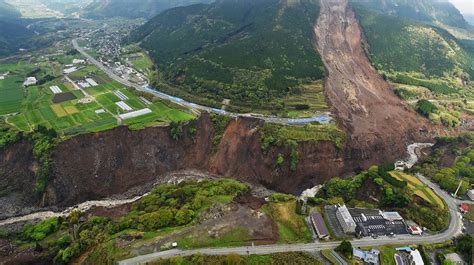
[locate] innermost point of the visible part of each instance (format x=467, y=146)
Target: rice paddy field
x=419, y=188
x=76, y=109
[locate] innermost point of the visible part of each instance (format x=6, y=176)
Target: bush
x=345, y=248
x=40, y=231
x=425, y=108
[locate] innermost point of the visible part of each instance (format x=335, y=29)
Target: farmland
x=70, y=105
x=419, y=189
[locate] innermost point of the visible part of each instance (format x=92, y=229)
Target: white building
x=345, y=219
x=30, y=81
x=369, y=257
x=392, y=216
x=78, y=61
x=416, y=256
x=70, y=70
x=470, y=194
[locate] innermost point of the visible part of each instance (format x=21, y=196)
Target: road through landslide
x=361, y=100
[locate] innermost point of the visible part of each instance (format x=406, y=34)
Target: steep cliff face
x=95, y=166
x=98, y=165
x=17, y=178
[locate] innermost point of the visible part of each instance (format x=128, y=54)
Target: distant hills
x=410, y=38
x=133, y=8
x=244, y=50
x=13, y=32
x=421, y=10
x=8, y=11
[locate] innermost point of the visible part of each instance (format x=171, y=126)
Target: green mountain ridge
x=132, y=9
x=251, y=52
x=421, y=10
x=404, y=45
x=8, y=11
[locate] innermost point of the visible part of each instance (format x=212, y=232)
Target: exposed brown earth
x=362, y=102
x=94, y=166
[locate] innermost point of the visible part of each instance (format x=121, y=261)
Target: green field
x=419, y=188
x=34, y=105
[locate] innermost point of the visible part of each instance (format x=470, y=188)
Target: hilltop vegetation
x=7, y=10
x=130, y=9
x=397, y=44
x=422, y=10
x=251, y=52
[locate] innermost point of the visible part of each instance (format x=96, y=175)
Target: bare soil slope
x=364, y=104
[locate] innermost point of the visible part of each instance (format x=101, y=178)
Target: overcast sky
x=465, y=6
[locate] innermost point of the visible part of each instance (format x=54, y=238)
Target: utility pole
x=457, y=190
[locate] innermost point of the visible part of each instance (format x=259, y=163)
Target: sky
x=465, y=6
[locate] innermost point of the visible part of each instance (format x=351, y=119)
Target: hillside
x=7, y=10
x=129, y=8
x=403, y=45
x=422, y=10
x=13, y=36
x=250, y=52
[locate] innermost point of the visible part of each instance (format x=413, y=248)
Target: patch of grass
x=291, y=226
x=387, y=255
x=236, y=236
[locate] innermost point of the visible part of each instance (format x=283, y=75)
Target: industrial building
x=408, y=256
x=345, y=220
x=319, y=226
x=373, y=222
x=368, y=257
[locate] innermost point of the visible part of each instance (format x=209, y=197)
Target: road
x=324, y=118
x=454, y=229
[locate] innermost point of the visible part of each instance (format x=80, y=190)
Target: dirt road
x=364, y=104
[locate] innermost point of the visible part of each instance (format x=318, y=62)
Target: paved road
x=324, y=118
x=453, y=230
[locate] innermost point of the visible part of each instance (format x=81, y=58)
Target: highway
x=454, y=229
x=323, y=118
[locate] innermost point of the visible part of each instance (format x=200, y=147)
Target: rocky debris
x=378, y=123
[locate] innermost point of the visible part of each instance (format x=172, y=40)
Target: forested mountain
x=421, y=10
x=247, y=51
x=413, y=46
x=13, y=33
x=7, y=10
x=133, y=9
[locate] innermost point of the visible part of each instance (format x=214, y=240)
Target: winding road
x=454, y=229
x=324, y=118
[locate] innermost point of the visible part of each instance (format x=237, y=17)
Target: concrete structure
x=392, y=216
x=319, y=226
x=373, y=222
x=408, y=256
x=30, y=81
x=369, y=257
x=470, y=194
x=345, y=219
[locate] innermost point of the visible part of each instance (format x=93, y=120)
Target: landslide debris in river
x=362, y=102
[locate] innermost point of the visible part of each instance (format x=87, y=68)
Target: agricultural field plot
x=310, y=101
x=11, y=95
x=57, y=103
x=419, y=188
